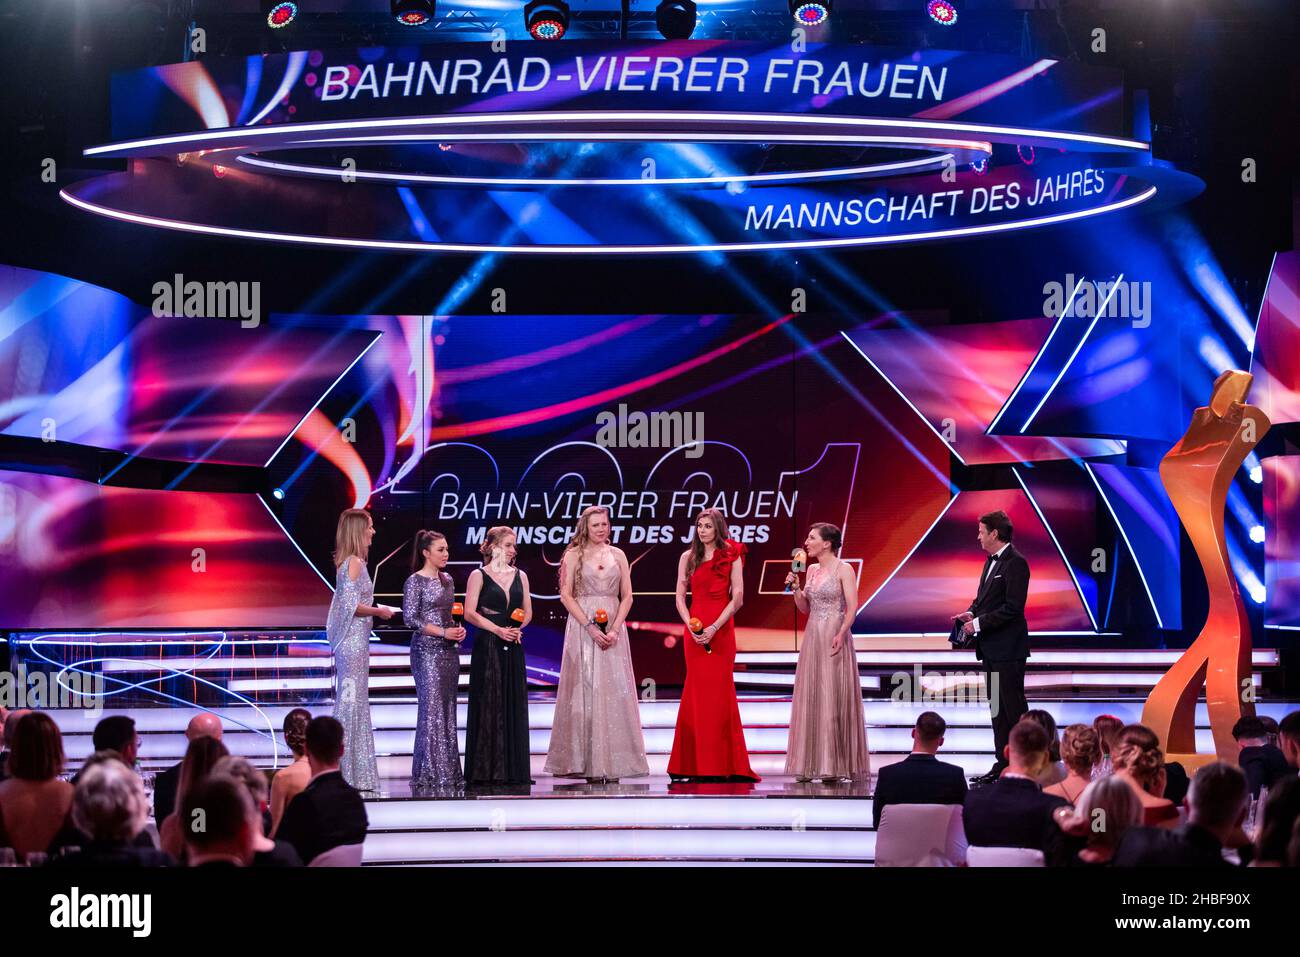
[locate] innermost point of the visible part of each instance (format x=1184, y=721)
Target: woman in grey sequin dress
x=435, y=665
x=351, y=617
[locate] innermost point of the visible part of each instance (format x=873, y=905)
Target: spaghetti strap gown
x=828, y=734
x=597, y=728
x=349, y=638
x=710, y=740
x=496, y=726
x=435, y=665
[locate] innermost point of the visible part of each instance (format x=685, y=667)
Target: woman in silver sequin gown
x=828, y=734
x=351, y=617
x=596, y=733
x=435, y=664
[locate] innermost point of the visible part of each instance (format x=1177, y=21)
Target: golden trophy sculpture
x=1196, y=474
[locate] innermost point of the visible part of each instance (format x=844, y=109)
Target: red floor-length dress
x=710, y=741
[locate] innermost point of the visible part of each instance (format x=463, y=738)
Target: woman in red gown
x=710, y=741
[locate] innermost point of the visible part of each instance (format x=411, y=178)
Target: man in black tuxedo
x=997, y=620
x=920, y=778
x=329, y=812
x=1218, y=802
x=1013, y=811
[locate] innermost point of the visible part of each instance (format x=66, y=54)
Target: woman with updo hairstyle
x=1140, y=764
x=1108, y=728
x=1080, y=750
x=496, y=730
x=427, y=598
x=290, y=781
x=1055, y=771
x=828, y=734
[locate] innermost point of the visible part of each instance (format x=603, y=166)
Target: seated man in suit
x=1218, y=801
x=1261, y=759
x=165, y=784
x=920, y=778
x=1013, y=811
x=329, y=812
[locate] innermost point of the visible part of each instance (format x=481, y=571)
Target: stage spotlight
x=547, y=19
x=676, y=19
x=279, y=13
x=810, y=13
x=412, y=13
x=278, y=493
x=942, y=12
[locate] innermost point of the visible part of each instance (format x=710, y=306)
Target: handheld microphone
x=798, y=565
x=457, y=614
x=697, y=628
x=602, y=620
x=517, y=616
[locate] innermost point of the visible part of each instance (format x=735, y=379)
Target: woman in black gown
x=496, y=734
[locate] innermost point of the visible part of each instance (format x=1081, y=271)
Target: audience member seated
x=114, y=735
x=1218, y=801
x=110, y=811
x=1277, y=821
x=10, y=723
x=1288, y=738
x=1013, y=811
x=1108, y=728
x=329, y=812
x=229, y=822
x=1080, y=752
x=920, y=778
x=1054, y=771
x=1270, y=726
x=200, y=757
x=266, y=852
x=167, y=783
x=1262, y=761
x=34, y=802
x=1104, y=813
x=289, y=781
x=1140, y=764
x=1176, y=783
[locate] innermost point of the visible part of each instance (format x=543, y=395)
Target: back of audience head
x=217, y=819
x=1107, y=808
x=928, y=734
x=1250, y=732
x=109, y=804
x=35, y=748
x=254, y=781
x=1107, y=727
x=117, y=733
x=1288, y=738
x=1049, y=725
x=200, y=758
x=11, y=724
x=1270, y=726
x=205, y=724
x=1218, y=798
x=1080, y=749
x=1137, y=751
x=1027, y=748
x=1278, y=819
x=324, y=743
x=295, y=730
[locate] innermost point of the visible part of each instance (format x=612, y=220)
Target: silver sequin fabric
x=435, y=665
x=349, y=638
x=597, y=727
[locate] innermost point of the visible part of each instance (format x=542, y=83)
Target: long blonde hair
x=581, y=537
x=350, y=536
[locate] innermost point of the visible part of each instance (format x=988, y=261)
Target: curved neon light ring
x=593, y=249
x=197, y=140
x=331, y=172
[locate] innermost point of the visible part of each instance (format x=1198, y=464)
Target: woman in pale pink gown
x=596, y=733
x=828, y=736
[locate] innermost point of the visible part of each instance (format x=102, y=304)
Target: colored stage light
x=1026, y=154
x=279, y=14
x=810, y=14
x=412, y=13
x=676, y=19
x=942, y=12
x=547, y=19
x=1257, y=534
x=980, y=166
x=278, y=494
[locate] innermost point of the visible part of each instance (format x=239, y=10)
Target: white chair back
x=917, y=835
x=345, y=855
x=1004, y=857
